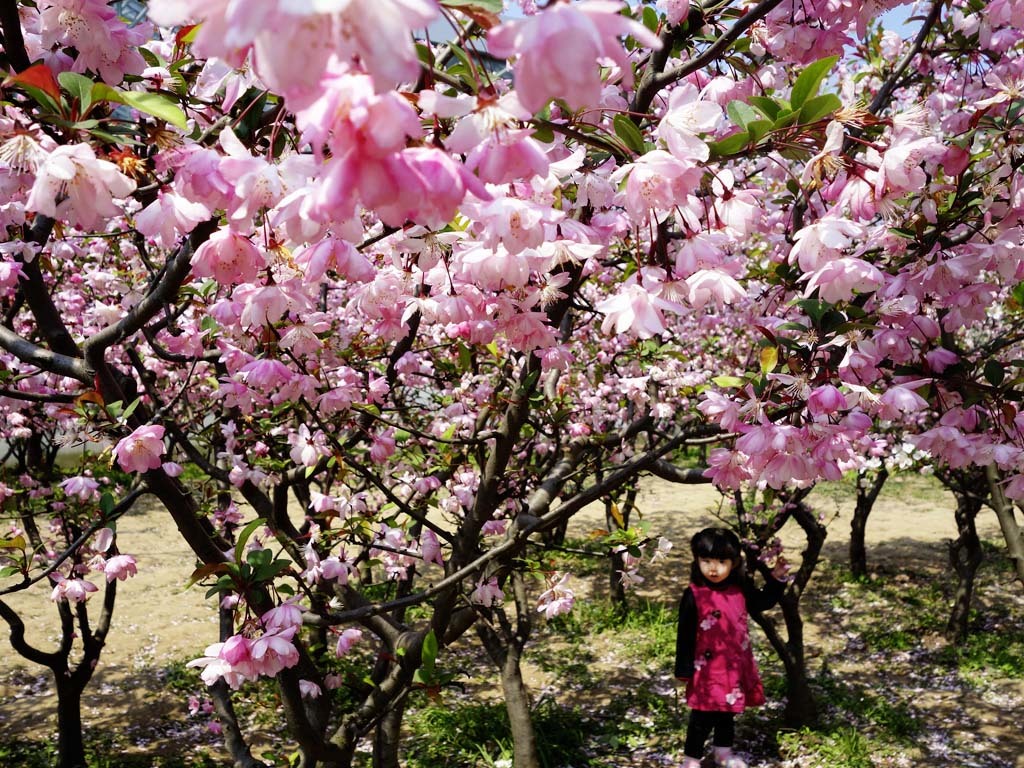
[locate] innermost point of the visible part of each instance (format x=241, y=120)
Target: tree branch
x=884, y=94
x=71, y=366
x=165, y=290
x=34, y=289
x=14, y=42
x=648, y=90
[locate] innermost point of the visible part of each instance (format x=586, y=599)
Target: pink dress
x=725, y=677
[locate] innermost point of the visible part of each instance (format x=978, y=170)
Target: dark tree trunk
x=70, y=744
x=386, y=737
x=517, y=703
x=801, y=705
x=1013, y=534
x=965, y=555
x=617, y=518
x=867, y=493
x=504, y=645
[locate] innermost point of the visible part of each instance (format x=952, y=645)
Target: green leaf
x=650, y=18
x=784, y=119
x=425, y=55
x=815, y=109
x=994, y=372
x=741, y=113
x=728, y=381
x=770, y=108
x=259, y=557
x=151, y=58
x=626, y=130
x=730, y=145
x=807, y=84
x=154, y=104
x=813, y=308
x=430, y=648
x=18, y=542
x=244, y=537
x=492, y=6
x=107, y=503
x=462, y=56
x=268, y=571
x=9, y=570
x=131, y=408
x=79, y=87
x=758, y=129
x=157, y=105
x=545, y=134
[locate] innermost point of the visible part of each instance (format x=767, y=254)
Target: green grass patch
x=479, y=735
x=997, y=654
x=843, y=748
x=646, y=629
x=102, y=750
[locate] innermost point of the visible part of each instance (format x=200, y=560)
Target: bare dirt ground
x=158, y=622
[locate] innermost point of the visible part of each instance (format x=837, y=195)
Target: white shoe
x=724, y=758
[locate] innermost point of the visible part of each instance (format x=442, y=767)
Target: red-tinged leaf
x=481, y=16
x=38, y=76
x=186, y=35
x=205, y=570
x=1009, y=412
x=767, y=334
x=92, y=396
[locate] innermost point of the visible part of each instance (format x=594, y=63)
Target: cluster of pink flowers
x=262, y=648
x=557, y=598
x=74, y=588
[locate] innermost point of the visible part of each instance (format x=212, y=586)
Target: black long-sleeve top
x=686, y=633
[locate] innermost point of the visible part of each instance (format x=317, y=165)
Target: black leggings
x=700, y=727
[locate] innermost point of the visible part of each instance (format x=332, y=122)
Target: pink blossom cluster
x=263, y=648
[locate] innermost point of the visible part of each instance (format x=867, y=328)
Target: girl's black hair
x=718, y=544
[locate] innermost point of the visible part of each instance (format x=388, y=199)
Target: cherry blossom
x=141, y=450
x=559, y=48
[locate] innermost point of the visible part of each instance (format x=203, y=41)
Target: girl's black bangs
x=716, y=546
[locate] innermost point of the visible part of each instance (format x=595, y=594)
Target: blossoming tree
x=439, y=290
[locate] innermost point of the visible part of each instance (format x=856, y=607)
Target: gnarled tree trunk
x=965, y=556
x=801, y=705
x=504, y=645
x=867, y=493
x=1012, y=532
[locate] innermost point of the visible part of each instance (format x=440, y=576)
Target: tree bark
x=867, y=493
x=70, y=744
x=965, y=556
x=1012, y=532
x=386, y=737
x=616, y=563
x=517, y=703
x=504, y=645
x=801, y=705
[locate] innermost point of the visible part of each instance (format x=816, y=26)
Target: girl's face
x=715, y=569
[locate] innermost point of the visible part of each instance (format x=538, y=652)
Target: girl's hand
x=780, y=572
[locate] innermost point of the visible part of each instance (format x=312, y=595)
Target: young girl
x=713, y=655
